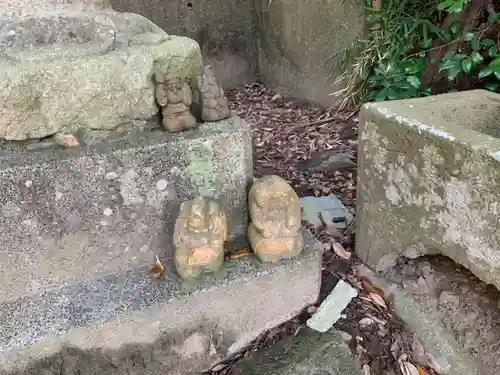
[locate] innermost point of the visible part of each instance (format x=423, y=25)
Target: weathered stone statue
x=275, y=213
x=199, y=235
x=211, y=103
x=174, y=96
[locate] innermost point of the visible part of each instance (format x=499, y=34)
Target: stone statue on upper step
x=210, y=101
x=106, y=86
x=174, y=96
x=199, y=235
x=275, y=213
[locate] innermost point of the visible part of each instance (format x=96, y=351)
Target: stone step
x=129, y=324
x=309, y=352
x=68, y=216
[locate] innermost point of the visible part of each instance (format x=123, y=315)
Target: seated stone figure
x=211, y=103
x=275, y=213
x=199, y=235
x=174, y=96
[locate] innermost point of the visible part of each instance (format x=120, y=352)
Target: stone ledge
x=111, y=319
x=100, y=79
x=73, y=215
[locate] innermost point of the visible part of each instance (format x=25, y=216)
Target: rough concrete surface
x=127, y=323
x=429, y=171
x=309, y=352
x=466, y=306
x=295, y=42
x=65, y=70
x=70, y=215
x=225, y=30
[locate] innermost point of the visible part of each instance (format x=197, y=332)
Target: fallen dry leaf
x=378, y=300
x=370, y=288
x=422, y=371
x=408, y=368
x=366, y=322
x=340, y=251
x=241, y=253
x=157, y=271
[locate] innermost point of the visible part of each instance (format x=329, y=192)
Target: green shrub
x=401, y=40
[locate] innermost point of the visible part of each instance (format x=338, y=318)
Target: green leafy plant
x=402, y=40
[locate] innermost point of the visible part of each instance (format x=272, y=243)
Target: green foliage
x=389, y=64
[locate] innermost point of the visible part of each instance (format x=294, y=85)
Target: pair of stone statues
x=176, y=100
x=274, y=231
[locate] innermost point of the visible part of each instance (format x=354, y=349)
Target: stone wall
x=223, y=28
x=283, y=45
x=294, y=43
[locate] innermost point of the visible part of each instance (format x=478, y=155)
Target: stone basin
x=429, y=181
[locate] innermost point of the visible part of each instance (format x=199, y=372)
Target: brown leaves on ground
x=158, y=270
x=310, y=147
x=292, y=136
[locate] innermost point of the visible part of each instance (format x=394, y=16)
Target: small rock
x=66, y=140
x=330, y=310
x=330, y=207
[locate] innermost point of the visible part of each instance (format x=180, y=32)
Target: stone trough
x=429, y=181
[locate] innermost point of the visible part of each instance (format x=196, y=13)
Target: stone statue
x=199, y=235
x=210, y=100
x=275, y=213
x=174, y=97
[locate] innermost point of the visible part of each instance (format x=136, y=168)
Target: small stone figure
x=174, y=97
x=199, y=235
x=211, y=101
x=275, y=213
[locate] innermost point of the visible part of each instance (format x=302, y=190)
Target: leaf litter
x=315, y=150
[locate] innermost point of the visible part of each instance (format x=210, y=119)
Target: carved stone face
x=174, y=84
x=197, y=218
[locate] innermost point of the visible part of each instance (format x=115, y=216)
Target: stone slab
x=68, y=215
x=429, y=181
x=68, y=70
x=309, y=352
x=127, y=323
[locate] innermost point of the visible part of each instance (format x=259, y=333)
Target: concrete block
x=309, y=352
x=69, y=215
x=429, y=181
x=125, y=323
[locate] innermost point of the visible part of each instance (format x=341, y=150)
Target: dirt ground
x=315, y=150
x=467, y=306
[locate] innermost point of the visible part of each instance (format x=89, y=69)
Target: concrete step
x=70, y=216
x=309, y=352
x=129, y=324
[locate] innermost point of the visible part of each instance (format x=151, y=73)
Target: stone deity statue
x=174, y=96
x=199, y=235
x=275, y=213
x=210, y=102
